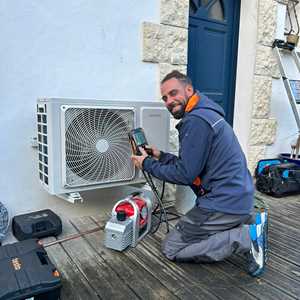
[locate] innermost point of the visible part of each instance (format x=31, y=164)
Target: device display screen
x=139, y=138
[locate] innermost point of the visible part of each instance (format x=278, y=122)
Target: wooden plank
x=286, y=219
x=280, y=228
x=213, y=280
x=142, y=282
x=284, y=267
x=218, y=282
x=177, y=281
x=239, y=281
x=74, y=285
x=287, y=211
x=282, y=232
x=283, y=287
x=274, y=202
x=292, y=206
x=286, y=253
x=235, y=271
x=289, y=240
x=105, y=281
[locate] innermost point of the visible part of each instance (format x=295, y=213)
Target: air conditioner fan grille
x=97, y=149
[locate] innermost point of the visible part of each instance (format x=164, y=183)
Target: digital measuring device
x=138, y=139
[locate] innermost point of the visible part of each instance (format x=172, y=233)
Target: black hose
x=159, y=199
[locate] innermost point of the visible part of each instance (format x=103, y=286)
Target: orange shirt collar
x=192, y=102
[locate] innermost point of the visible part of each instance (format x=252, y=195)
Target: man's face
x=175, y=95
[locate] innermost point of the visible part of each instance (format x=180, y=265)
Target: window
x=214, y=8
x=216, y=11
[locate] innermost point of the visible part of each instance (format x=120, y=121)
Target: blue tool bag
x=277, y=178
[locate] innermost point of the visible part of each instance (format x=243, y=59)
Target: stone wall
x=166, y=43
x=263, y=127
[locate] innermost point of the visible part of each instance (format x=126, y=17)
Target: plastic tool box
x=36, y=224
x=26, y=271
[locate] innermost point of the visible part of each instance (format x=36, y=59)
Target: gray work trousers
x=205, y=236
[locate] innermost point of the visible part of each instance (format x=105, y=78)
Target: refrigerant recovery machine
x=130, y=221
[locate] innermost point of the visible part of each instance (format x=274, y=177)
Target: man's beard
x=178, y=114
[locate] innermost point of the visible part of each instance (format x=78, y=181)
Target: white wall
x=245, y=71
x=79, y=49
x=281, y=110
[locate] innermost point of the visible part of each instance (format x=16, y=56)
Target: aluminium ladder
x=292, y=86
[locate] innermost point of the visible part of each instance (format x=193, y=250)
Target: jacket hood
x=206, y=103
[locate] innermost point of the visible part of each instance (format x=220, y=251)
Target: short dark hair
x=177, y=75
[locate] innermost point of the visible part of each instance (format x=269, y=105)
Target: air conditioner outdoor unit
x=83, y=144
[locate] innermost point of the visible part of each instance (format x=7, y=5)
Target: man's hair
x=177, y=75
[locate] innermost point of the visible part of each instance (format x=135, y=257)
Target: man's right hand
x=155, y=152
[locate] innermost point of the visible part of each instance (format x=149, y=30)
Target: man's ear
x=189, y=90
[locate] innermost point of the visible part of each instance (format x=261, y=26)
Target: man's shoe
x=259, y=244
x=265, y=221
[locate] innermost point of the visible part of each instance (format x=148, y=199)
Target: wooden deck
x=90, y=271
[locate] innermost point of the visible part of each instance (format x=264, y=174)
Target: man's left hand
x=138, y=159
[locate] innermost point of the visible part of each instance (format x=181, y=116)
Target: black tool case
x=36, y=224
x=279, y=180
x=26, y=271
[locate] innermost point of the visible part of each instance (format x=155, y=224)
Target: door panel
x=212, y=50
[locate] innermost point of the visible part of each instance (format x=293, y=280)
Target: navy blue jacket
x=209, y=149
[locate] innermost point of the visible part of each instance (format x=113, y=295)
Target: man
x=212, y=163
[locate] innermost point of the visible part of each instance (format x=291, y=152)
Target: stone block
x=164, y=69
x=174, y=12
x=265, y=63
x=164, y=44
x=255, y=153
x=267, y=18
x=262, y=97
x=263, y=131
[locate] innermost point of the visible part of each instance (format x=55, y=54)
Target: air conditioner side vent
x=42, y=129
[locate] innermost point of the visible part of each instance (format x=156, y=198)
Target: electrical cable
x=155, y=211
x=149, y=181
x=163, y=214
x=148, y=177
x=155, y=192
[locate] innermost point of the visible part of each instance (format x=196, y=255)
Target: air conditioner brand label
x=154, y=115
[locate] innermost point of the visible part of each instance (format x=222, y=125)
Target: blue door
x=212, y=49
